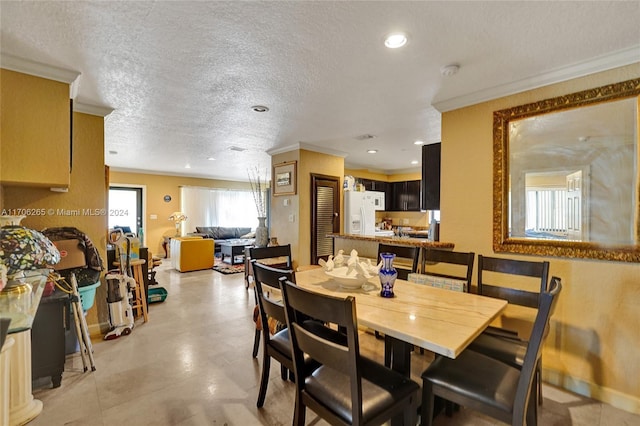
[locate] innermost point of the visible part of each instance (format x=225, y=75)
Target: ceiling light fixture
x=414, y=162
x=395, y=40
x=449, y=70
x=372, y=151
x=188, y=166
x=211, y=159
x=259, y=108
x=418, y=143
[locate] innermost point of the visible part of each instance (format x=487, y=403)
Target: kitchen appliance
x=360, y=212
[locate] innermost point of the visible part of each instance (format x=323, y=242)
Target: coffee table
x=233, y=249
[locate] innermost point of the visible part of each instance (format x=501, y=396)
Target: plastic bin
x=88, y=295
x=156, y=295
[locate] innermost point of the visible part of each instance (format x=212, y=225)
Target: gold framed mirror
x=566, y=175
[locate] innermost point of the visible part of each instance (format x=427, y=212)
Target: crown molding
x=100, y=111
x=38, y=69
x=308, y=147
x=606, y=62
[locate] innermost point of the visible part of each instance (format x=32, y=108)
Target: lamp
x=23, y=249
x=178, y=218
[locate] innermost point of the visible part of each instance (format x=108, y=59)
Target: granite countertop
x=407, y=241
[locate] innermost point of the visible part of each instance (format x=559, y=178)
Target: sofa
x=191, y=253
x=223, y=234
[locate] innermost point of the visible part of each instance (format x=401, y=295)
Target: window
x=546, y=212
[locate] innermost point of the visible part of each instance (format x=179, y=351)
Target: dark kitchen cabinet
x=403, y=196
x=431, y=176
x=374, y=185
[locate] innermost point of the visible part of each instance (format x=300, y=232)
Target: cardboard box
x=71, y=254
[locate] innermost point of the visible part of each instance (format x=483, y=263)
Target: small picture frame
x=284, y=178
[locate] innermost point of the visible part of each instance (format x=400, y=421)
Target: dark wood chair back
x=404, y=255
x=275, y=252
x=339, y=353
x=267, y=290
x=531, y=299
x=432, y=257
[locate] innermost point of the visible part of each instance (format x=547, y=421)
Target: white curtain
x=217, y=207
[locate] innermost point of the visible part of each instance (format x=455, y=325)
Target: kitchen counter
x=405, y=241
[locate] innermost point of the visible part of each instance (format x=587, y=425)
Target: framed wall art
x=284, y=178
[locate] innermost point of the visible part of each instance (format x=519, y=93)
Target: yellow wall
x=298, y=234
x=35, y=130
x=87, y=191
x=155, y=188
x=594, y=348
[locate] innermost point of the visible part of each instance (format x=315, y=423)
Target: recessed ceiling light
x=188, y=166
x=414, y=162
x=372, y=151
x=395, y=40
x=211, y=159
x=418, y=143
x=260, y=108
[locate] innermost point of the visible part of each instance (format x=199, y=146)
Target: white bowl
x=350, y=281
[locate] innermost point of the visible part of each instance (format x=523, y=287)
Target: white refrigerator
x=360, y=212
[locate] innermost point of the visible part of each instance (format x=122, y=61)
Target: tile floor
x=191, y=365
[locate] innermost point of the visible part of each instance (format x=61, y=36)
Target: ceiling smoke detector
x=365, y=137
x=259, y=108
x=449, y=70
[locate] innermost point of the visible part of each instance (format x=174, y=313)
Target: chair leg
x=264, y=379
x=428, y=398
x=283, y=372
x=532, y=408
x=299, y=413
x=538, y=380
x=256, y=343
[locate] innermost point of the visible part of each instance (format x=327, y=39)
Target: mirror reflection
x=574, y=174
x=566, y=175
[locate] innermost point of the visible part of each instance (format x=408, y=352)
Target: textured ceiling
x=182, y=76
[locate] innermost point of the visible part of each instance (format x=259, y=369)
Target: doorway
x=125, y=208
x=325, y=215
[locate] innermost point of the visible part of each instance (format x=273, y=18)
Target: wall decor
x=284, y=178
x=566, y=179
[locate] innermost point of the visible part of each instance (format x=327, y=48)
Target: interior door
x=575, y=214
x=325, y=215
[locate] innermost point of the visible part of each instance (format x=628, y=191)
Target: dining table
x=439, y=320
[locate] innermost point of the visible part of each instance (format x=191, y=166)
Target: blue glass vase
x=387, y=274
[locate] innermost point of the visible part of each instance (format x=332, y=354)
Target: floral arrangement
x=258, y=189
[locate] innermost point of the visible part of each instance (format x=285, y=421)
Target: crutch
x=84, y=337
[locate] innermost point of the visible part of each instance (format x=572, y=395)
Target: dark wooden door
x=325, y=215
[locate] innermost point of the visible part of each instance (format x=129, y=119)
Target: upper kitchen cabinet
x=403, y=196
x=431, y=176
x=35, y=131
x=374, y=185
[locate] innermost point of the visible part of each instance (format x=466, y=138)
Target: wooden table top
x=442, y=321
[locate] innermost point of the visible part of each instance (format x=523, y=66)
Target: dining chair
x=277, y=257
x=276, y=345
x=449, y=266
x=405, y=256
x=406, y=260
x=485, y=384
x=447, y=269
x=500, y=343
x=347, y=389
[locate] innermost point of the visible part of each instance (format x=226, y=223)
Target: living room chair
x=504, y=344
x=276, y=345
x=347, y=389
x=485, y=384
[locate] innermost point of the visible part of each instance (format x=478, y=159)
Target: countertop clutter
x=406, y=241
